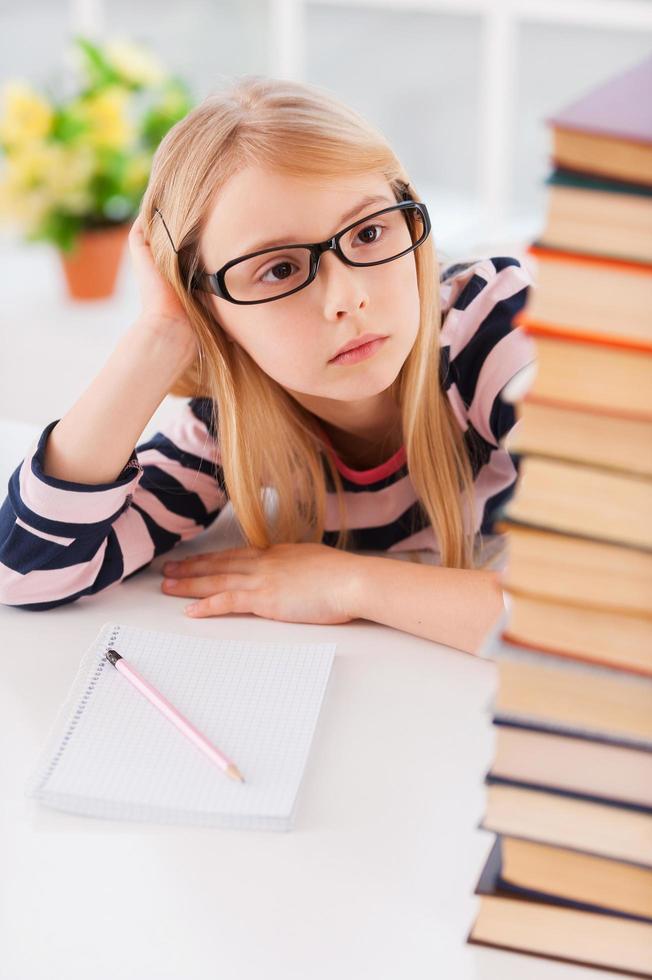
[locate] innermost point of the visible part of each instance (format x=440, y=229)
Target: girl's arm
x=61, y=540
x=85, y=509
x=458, y=607
x=92, y=443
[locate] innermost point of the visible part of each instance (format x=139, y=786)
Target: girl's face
x=293, y=339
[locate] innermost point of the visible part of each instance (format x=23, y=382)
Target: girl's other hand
x=296, y=583
x=161, y=308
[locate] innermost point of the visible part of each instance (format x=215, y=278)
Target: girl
x=278, y=231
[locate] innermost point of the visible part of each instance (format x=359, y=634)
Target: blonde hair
x=265, y=437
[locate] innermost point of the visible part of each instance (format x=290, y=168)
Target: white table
x=375, y=881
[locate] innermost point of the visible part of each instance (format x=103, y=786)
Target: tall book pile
x=569, y=793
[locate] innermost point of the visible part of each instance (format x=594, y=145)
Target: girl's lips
x=364, y=338
x=360, y=353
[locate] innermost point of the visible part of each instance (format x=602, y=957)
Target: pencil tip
x=235, y=773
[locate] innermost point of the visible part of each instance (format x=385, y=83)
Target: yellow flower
x=25, y=115
x=28, y=166
x=20, y=205
x=68, y=177
x=134, y=63
x=42, y=177
x=105, y=113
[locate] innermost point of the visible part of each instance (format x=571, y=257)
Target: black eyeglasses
x=249, y=279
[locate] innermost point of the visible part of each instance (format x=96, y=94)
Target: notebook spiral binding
x=97, y=673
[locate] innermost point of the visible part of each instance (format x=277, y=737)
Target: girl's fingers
x=136, y=232
x=137, y=244
x=206, y=585
x=235, y=559
x=210, y=566
x=222, y=603
x=139, y=250
x=249, y=552
x=160, y=302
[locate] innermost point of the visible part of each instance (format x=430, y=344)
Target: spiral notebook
x=110, y=753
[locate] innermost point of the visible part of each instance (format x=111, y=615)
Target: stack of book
x=569, y=793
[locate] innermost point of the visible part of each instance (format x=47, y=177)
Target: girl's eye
x=285, y=269
x=369, y=241
x=284, y=275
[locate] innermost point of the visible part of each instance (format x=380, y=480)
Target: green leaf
x=173, y=103
x=66, y=126
x=99, y=70
x=60, y=229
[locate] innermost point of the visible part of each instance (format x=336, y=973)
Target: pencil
x=172, y=714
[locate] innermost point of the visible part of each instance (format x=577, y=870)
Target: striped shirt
x=61, y=541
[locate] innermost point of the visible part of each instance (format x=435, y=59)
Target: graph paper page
x=110, y=753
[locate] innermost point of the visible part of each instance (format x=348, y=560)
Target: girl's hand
x=162, y=311
x=296, y=583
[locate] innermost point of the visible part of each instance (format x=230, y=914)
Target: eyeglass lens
x=372, y=240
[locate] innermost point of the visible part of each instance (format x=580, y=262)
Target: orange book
x=593, y=377
x=591, y=298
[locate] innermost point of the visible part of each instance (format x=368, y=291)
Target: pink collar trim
x=365, y=477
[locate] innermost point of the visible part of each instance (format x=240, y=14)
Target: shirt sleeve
x=491, y=360
x=60, y=540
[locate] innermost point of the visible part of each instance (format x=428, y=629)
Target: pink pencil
x=156, y=698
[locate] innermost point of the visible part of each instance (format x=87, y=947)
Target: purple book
x=620, y=107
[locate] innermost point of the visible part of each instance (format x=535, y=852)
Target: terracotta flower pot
x=92, y=267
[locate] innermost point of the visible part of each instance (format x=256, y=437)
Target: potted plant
x=73, y=167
